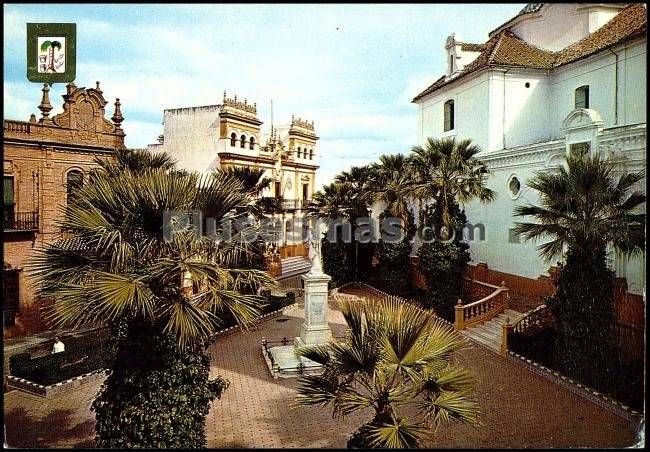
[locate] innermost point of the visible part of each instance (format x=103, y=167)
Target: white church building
x=554, y=79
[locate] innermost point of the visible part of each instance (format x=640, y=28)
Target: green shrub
x=278, y=302
x=392, y=273
x=584, y=315
x=346, y=261
x=443, y=263
x=158, y=398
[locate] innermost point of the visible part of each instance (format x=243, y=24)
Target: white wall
x=559, y=24
x=470, y=108
x=526, y=109
x=191, y=137
x=599, y=72
x=535, y=115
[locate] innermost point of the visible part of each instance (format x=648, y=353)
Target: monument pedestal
x=283, y=360
x=314, y=329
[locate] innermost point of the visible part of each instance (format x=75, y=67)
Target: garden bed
x=50, y=390
x=83, y=356
x=627, y=389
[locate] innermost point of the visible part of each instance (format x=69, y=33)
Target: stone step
x=491, y=327
x=485, y=334
x=484, y=342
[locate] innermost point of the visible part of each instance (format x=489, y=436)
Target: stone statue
x=314, y=254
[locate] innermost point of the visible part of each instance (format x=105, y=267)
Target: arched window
x=233, y=139
x=311, y=154
x=243, y=141
x=252, y=143
x=299, y=152
x=582, y=97
x=449, y=115
x=74, y=182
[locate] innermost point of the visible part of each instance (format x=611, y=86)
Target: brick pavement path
x=519, y=409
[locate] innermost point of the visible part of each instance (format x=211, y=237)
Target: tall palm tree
x=335, y=200
x=396, y=357
x=584, y=206
x=117, y=252
x=116, y=266
x=448, y=171
x=391, y=182
x=583, y=209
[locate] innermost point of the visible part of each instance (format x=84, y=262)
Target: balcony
x=19, y=221
x=295, y=204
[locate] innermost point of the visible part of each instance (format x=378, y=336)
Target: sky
x=352, y=69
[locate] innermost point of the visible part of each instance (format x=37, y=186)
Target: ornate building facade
x=45, y=161
x=555, y=79
x=229, y=134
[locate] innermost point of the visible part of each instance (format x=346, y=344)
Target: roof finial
x=97, y=87
x=224, y=96
x=117, y=116
x=45, y=105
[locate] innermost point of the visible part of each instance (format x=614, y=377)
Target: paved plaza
x=518, y=408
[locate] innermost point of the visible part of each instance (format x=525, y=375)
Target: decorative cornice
x=299, y=122
x=624, y=141
x=239, y=105
x=59, y=147
x=237, y=116
x=253, y=159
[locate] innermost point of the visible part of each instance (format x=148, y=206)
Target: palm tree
x=135, y=160
x=336, y=200
x=395, y=357
x=448, y=171
x=49, y=46
x=583, y=209
x=252, y=178
x=115, y=267
x=391, y=182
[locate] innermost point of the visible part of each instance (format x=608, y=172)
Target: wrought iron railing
x=20, y=221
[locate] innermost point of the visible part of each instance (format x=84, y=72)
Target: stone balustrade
x=483, y=309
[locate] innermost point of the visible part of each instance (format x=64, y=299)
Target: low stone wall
x=48, y=391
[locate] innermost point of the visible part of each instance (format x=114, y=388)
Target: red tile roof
x=629, y=23
x=469, y=47
x=528, y=9
x=507, y=49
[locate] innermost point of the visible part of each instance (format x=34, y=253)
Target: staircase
x=293, y=266
x=489, y=333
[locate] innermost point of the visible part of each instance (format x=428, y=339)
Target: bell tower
x=302, y=140
x=239, y=125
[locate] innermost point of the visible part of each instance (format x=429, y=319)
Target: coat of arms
x=51, y=50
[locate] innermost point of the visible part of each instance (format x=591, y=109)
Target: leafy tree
x=114, y=266
x=252, y=179
x=395, y=356
x=447, y=172
x=583, y=208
